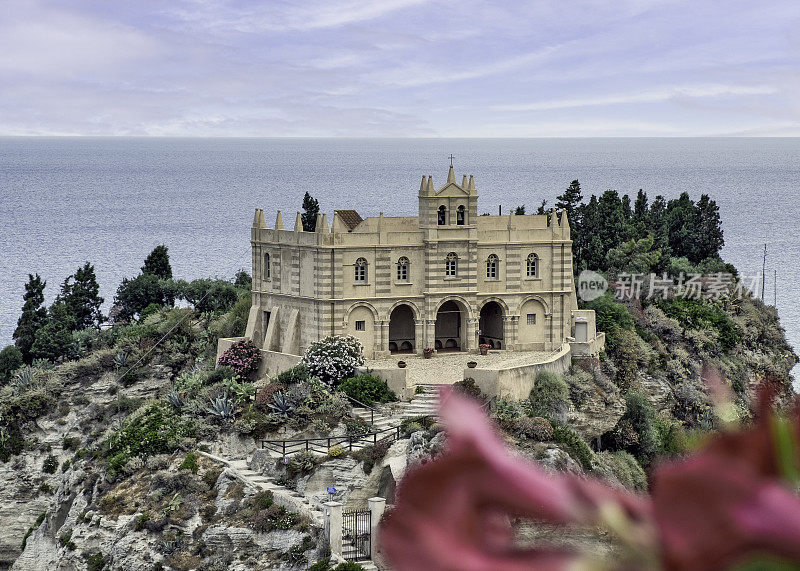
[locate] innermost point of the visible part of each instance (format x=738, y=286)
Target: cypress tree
x=157, y=263
x=708, y=239
x=309, y=216
x=34, y=316
x=81, y=299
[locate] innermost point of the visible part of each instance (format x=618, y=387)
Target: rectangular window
x=361, y=325
x=402, y=273
x=531, y=319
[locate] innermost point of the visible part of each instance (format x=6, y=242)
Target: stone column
x=333, y=526
x=472, y=334
x=510, y=323
x=419, y=336
x=430, y=333
x=376, y=507
x=382, y=339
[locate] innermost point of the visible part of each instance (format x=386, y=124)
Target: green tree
x=54, y=339
x=309, y=216
x=34, y=316
x=157, y=263
x=541, y=210
x=210, y=295
x=10, y=360
x=680, y=222
x=708, y=239
x=634, y=256
x=519, y=210
x=640, y=218
x=136, y=294
x=80, y=295
x=571, y=201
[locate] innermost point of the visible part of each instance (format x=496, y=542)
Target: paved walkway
x=448, y=368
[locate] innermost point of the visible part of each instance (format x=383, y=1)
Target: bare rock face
x=596, y=404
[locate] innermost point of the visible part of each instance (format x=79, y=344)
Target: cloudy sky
x=400, y=68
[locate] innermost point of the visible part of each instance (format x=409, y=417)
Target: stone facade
x=448, y=279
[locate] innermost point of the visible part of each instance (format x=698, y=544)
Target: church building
x=448, y=278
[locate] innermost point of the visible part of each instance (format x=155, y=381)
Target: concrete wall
x=396, y=378
x=515, y=383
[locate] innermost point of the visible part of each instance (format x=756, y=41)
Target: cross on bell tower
x=451, y=159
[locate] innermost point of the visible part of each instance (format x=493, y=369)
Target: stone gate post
x=376, y=507
x=333, y=526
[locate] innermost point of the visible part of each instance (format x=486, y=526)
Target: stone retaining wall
x=516, y=382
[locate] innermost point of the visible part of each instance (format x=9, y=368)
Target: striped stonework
x=311, y=290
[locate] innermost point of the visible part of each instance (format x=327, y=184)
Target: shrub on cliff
x=10, y=361
x=549, y=396
x=153, y=429
x=368, y=389
x=334, y=359
x=243, y=357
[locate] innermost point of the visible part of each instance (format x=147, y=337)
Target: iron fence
x=323, y=445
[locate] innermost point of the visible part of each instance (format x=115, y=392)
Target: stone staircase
x=424, y=403
x=289, y=499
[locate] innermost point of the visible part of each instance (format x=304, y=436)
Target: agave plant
x=120, y=361
x=221, y=407
x=25, y=379
x=281, y=404
x=174, y=399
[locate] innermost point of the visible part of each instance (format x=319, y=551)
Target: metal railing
x=357, y=535
x=362, y=405
x=322, y=445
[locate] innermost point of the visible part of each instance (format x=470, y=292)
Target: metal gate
x=357, y=535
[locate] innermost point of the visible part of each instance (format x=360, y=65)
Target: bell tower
x=452, y=206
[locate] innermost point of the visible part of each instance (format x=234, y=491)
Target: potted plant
x=401, y=364
x=484, y=348
x=472, y=364
x=427, y=352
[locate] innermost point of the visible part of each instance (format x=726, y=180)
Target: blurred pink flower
x=454, y=512
x=710, y=511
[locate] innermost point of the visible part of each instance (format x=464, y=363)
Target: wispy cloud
x=398, y=67
x=649, y=96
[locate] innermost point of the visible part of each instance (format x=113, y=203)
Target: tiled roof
x=351, y=218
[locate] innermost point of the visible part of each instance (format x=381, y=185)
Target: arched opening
x=442, y=215
x=491, y=325
x=401, y=330
x=460, y=215
x=450, y=327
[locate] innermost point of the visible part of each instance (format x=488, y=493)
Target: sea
x=110, y=201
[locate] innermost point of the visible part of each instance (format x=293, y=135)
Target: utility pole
x=763, y=272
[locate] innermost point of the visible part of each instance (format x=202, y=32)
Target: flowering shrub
x=732, y=504
x=334, y=358
x=243, y=357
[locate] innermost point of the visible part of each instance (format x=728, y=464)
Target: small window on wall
x=402, y=269
x=361, y=270
x=361, y=325
x=451, y=265
x=531, y=319
x=491, y=267
x=460, y=214
x=532, y=266
x=442, y=220
x=267, y=269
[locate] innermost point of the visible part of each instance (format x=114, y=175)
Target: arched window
x=361, y=270
x=532, y=266
x=442, y=215
x=267, y=270
x=451, y=265
x=491, y=267
x=402, y=269
x=460, y=215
